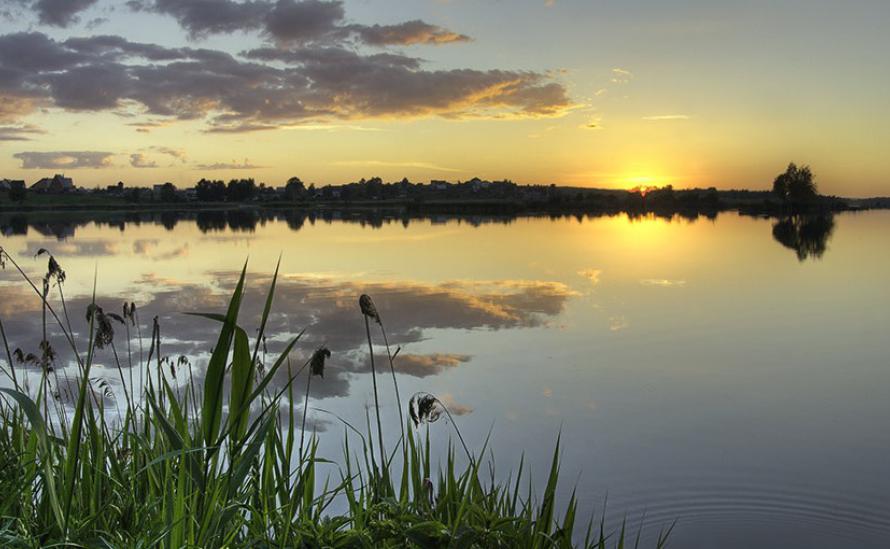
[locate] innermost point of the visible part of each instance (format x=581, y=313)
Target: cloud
x=594, y=123
x=178, y=154
x=621, y=76
x=662, y=282
x=327, y=307
x=456, y=408
x=408, y=33
x=139, y=160
x=407, y=164
x=203, y=17
x=304, y=21
x=593, y=275
x=292, y=22
x=233, y=165
x=13, y=105
x=60, y=13
x=427, y=365
x=143, y=246
x=19, y=133
x=662, y=117
x=81, y=248
x=618, y=323
x=67, y=160
x=263, y=88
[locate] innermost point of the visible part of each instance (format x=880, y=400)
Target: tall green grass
x=190, y=466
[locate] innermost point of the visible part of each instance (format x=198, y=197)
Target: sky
x=615, y=94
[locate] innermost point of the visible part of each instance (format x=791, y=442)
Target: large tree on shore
x=294, y=188
x=796, y=185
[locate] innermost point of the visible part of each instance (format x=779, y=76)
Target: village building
x=56, y=184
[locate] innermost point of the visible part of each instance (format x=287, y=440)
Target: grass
x=190, y=466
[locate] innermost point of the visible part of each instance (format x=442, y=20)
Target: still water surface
x=701, y=371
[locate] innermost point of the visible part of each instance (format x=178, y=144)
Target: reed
x=198, y=466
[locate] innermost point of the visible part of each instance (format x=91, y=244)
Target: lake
x=731, y=374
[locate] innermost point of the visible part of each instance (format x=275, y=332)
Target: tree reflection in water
x=807, y=235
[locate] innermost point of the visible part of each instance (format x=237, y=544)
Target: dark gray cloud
x=202, y=17
x=60, y=13
x=407, y=33
x=260, y=89
x=305, y=21
x=64, y=160
x=22, y=132
x=56, y=13
x=292, y=21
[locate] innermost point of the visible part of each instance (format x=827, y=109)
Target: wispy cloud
x=593, y=123
x=663, y=282
x=621, y=76
x=661, y=117
x=329, y=128
x=456, y=408
x=618, y=323
x=233, y=165
x=19, y=132
x=409, y=164
x=593, y=275
x=139, y=160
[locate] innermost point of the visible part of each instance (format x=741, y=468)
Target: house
x=477, y=184
x=10, y=184
x=56, y=184
x=439, y=185
x=115, y=190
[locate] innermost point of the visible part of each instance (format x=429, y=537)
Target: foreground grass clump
x=190, y=466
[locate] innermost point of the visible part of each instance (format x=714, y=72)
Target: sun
x=643, y=183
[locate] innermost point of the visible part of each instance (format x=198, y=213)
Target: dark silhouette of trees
x=18, y=193
x=241, y=190
x=168, y=192
x=294, y=189
x=807, y=235
x=210, y=191
x=796, y=186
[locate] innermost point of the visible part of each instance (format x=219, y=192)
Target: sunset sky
x=693, y=93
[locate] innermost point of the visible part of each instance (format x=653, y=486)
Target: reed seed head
x=368, y=308
x=104, y=329
x=316, y=364
x=424, y=408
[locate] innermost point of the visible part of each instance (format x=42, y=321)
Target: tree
x=210, y=191
x=796, y=185
x=241, y=190
x=18, y=193
x=294, y=188
x=168, y=192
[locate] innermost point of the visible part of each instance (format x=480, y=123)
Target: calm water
x=699, y=371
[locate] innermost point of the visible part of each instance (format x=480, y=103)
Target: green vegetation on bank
x=227, y=463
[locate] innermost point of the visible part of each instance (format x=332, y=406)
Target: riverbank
x=224, y=458
x=662, y=202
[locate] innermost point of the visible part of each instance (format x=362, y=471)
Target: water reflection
x=807, y=235
x=324, y=307
x=246, y=220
